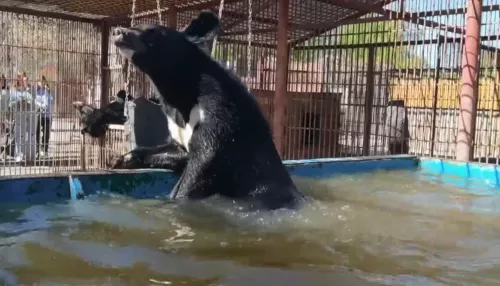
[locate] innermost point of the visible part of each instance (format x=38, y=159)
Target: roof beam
x=445, y=12
x=392, y=15
x=262, y=20
x=335, y=23
x=388, y=14
x=254, y=31
x=441, y=39
x=245, y=43
x=255, y=11
x=204, y=5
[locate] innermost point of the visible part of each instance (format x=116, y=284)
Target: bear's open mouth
x=127, y=42
x=121, y=41
x=124, y=39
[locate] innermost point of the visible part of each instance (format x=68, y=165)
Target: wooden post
x=280, y=95
x=370, y=86
x=104, y=84
x=435, y=97
x=470, y=76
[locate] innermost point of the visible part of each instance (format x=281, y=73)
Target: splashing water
x=391, y=228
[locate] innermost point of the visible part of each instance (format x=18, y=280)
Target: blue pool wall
x=143, y=184
x=478, y=178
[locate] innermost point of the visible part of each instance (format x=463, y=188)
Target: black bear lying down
x=220, y=140
x=95, y=121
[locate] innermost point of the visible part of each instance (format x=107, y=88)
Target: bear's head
x=89, y=118
x=95, y=121
x=161, y=51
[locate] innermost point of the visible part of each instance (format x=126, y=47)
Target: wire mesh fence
x=45, y=64
x=363, y=78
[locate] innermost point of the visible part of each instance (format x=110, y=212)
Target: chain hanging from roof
x=214, y=43
x=129, y=65
x=249, y=35
x=249, y=39
x=132, y=23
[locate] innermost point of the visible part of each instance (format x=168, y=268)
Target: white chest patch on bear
x=183, y=134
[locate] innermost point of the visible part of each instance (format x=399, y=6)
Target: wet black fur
x=231, y=152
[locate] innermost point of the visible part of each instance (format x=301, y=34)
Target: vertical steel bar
x=369, y=101
x=469, y=92
x=435, y=97
x=104, y=83
x=280, y=95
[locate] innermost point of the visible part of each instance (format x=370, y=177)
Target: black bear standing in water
x=226, y=143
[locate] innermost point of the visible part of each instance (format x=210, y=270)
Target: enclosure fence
x=334, y=78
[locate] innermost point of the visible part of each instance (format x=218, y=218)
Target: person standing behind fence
x=43, y=101
x=4, y=98
x=20, y=109
x=5, y=126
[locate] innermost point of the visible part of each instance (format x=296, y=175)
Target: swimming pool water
x=392, y=228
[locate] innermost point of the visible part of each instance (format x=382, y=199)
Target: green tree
x=357, y=35
x=237, y=54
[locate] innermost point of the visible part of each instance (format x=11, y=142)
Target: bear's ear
x=203, y=29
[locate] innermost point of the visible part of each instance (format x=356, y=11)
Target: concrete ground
x=65, y=147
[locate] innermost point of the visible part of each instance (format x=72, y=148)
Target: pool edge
x=484, y=172
x=150, y=183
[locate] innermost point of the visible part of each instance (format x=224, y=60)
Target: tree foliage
x=351, y=39
x=237, y=56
